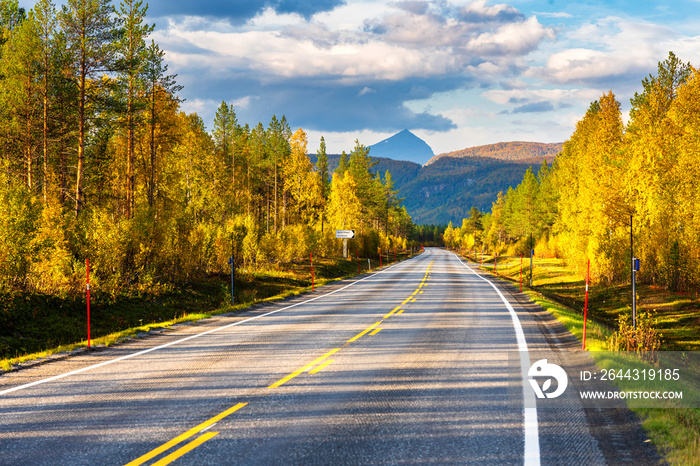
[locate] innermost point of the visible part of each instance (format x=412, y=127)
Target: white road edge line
x=531, y=455
x=155, y=348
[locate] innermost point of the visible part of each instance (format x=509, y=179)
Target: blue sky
x=456, y=73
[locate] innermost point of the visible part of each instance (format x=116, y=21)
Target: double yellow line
x=181, y=438
x=313, y=367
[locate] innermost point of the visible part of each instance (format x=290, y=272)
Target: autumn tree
x=21, y=68
x=90, y=34
x=130, y=63
x=161, y=92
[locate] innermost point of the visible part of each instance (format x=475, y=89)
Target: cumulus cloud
x=609, y=50
x=479, y=12
x=297, y=59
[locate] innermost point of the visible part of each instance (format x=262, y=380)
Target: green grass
x=561, y=291
x=35, y=326
x=676, y=316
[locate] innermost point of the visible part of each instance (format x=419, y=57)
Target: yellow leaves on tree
x=344, y=206
x=301, y=182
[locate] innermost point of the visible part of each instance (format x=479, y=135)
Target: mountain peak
x=403, y=145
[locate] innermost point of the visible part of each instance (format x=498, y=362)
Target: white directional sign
x=345, y=234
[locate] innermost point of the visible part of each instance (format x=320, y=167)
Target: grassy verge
x=676, y=315
x=36, y=326
x=561, y=291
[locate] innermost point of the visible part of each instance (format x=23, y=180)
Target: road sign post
x=345, y=235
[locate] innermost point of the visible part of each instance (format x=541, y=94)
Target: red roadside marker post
x=312, y=271
x=380, y=258
x=88, y=302
x=585, y=306
x=495, y=263
x=521, y=272
x=394, y=254
x=358, y=262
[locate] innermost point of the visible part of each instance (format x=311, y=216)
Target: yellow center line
x=303, y=369
x=189, y=447
x=362, y=333
x=321, y=366
x=207, y=424
x=181, y=438
x=389, y=314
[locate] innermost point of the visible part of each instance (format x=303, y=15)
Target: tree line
x=99, y=162
x=616, y=189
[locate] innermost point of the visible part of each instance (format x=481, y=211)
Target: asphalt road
x=409, y=365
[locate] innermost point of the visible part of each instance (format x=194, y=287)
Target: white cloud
x=559, y=14
x=511, y=39
x=337, y=142
x=399, y=45
x=509, y=96
x=243, y=102
x=609, y=48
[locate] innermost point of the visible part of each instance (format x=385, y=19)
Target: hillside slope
x=447, y=189
x=510, y=151
x=448, y=186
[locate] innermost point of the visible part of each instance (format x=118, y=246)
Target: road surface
x=408, y=365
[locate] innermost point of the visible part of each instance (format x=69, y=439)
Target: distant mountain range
x=449, y=185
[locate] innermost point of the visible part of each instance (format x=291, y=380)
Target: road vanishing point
x=409, y=365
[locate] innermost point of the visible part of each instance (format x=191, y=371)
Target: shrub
x=644, y=338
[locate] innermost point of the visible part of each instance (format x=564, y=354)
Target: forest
x=99, y=163
x=614, y=187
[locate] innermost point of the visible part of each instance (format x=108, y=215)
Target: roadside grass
x=676, y=315
x=561, y=291
x=37, y=326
